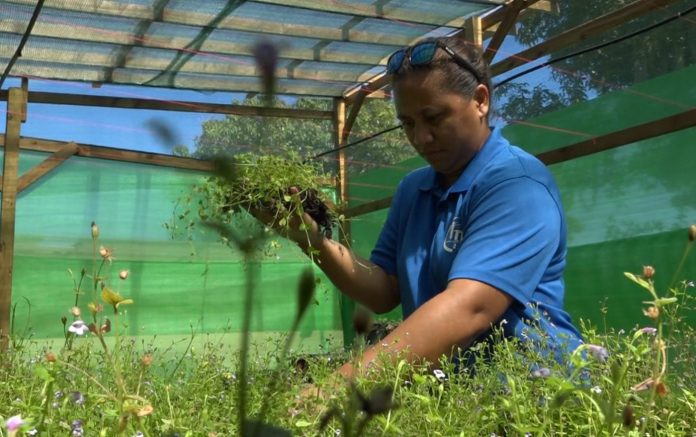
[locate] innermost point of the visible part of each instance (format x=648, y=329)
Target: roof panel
x=437, y=13
x=325, y=47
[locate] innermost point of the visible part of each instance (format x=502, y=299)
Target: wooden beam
x=368, y=207
x=352, y=116
x=48, y=164
x=367, y=88
x=108, y=153
x=473, y=31
x=578, y=33
x=663, y=126
x=15, y=105
x=499, y=14
x=347, y=305
x=513, y=11
x=180, y=106
x=339, y=126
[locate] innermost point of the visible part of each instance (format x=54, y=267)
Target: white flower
x=596, y=389
x=78, y=327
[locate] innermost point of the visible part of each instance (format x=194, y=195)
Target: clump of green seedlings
x=278, y=189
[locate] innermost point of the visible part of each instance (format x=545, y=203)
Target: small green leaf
x=43, y=373
x=303, y=423
x=638, y=280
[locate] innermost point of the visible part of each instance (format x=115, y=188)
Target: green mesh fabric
x=177, y=285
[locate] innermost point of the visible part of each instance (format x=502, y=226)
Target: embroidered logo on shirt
x=455, y=235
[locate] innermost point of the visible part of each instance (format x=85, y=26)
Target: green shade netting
x=178, y=285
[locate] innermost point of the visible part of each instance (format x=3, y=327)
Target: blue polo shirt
x=500, y=223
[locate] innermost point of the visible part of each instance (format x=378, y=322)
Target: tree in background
x=656, y=52
x=236, y=134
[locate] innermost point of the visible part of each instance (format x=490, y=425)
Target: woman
x=475, y=240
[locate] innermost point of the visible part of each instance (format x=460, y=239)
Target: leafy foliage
x=282, y=185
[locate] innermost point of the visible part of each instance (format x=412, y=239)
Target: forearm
x=356, y=277
x=453, y=319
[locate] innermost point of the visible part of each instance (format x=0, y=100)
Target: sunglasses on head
x=423, y=53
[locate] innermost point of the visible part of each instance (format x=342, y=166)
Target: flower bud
x=95, y=231
x=64, y=320
x=266, y=54
x=305, y=291
x=628, y=420
x=692, y=232
x=146, y=360
x=123, y=274
x=661, y=389
x=648, y=272
x=652, y=312
x=362, y=321
x=106, y=327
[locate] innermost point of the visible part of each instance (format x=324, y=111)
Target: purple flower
x=542, y=372
x=78, y=327
x=76, y=428
x=648, y=330
x=14, y=422
x=598, y=352
x=79, y=399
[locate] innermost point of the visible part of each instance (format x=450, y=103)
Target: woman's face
x=444, y=127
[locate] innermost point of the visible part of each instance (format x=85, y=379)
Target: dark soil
x=319, y=211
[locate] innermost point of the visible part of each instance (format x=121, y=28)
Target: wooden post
x=16, y=105
x=347, y=305
x=473, y=31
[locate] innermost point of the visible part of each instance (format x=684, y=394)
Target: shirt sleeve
x=513, y=232
x=385, y=251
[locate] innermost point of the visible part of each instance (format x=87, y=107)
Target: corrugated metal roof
x=326, y=46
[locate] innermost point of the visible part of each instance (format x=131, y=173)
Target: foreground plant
x=647, y=348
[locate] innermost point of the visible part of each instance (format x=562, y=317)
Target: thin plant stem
x=246, y=326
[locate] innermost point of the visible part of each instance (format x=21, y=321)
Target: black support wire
x=25, y=37
x=677, y=16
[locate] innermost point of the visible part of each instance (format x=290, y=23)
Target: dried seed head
x=75, y=311
x=106, y=327
x=362, y=321
x=648, y=272
x=146, y=360
x=123, y=274
x=692, y=233
x=661, y=389
x=652, y=312
x=628, y=420
x=95, y=308
x=95, y=231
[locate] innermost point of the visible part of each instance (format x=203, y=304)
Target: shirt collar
x=494, y=142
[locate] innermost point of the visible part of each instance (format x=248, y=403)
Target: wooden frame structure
x=343, y=115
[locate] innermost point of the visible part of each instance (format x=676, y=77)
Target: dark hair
x=455, y=77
